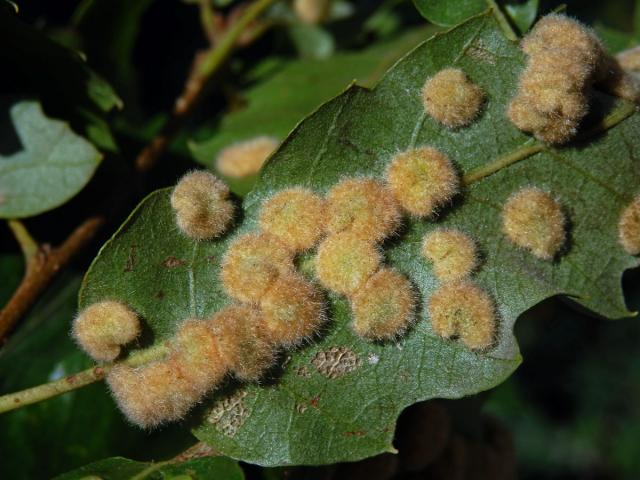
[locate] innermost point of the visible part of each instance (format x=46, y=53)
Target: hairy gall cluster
x=251, y=264
x=103, y=327
x=242, y=343
x=451, y=98
x=465, y=311
x=384, y=307
x=296, y=216
x=452, y=253
x=364, y=207
x=345, y=262
x=422, y=180
x=202, y=208
x=629, y=227
x=533, y=219
x=292, y=310
x=552, y=99
x=244, y=159
x=165, y=390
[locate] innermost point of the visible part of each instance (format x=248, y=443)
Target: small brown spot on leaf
x=302, y=372
x=212, y=259
x=131, y=259
x=159, y=295
x=229, y=414
x=173, y=262
x=356, y=433
x=71, y=379
x=336, y=361
x=479, y=51
x=314, y=401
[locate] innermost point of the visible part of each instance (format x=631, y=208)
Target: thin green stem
x=28, y=244
x=503, y=21
x=13, y=401
x=224, y=49
x=618, y=115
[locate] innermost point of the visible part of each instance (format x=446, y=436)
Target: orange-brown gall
x=629, y=227
x=197, y=355
x=552, y=99
x=384, y=307
x=241, y=343
x=292, y=310
x=152, y=394
x=422, y=180
x=244, y=159
x=453, y=254
x=202, y=208
x=296, y=216
x=251, y=264
x=464, y=310
x=451, y=98
x=533, y=219
x=101, y=329
x=345, y=262
x=364, y=207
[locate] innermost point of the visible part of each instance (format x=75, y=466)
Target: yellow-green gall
x=201, y=206
x=242, y=344
x=629, y=227
x=464, y=310
x=533, y=219
x=251, y=264
x=452, y=253
x=292, y=310
x=451, y=98
x=363, y=206
x=345, y=262
x=296, y=216
x=246, y=158
x=384, y=307
x=103, y=327
x=422, y=179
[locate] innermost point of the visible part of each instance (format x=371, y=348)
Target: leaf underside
x=54, y=163
x=338, y=398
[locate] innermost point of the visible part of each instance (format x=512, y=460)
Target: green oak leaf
x=338, y=398
x=449, y=12
x=119, y=468
x=53, y=165
x=287, y=92
x=36, y=66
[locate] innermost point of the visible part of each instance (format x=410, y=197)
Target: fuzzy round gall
x=450, y=98
x=292, y=310
x=345, y=262
x=453, y=254
x=244, y=159
x=251, y=264
x=296, y=216
x=629, y=227
x=422, y=179
x=364, y=207
x=201, y=206
x=152, y=394
x=533, y=219
x=242, y=344
x=464, y=310
x=103, y=327
x=384, y=307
